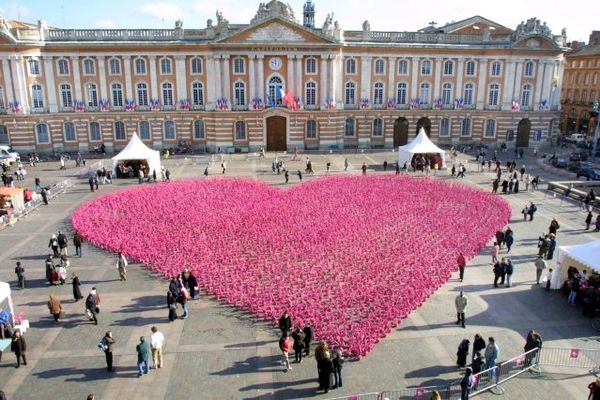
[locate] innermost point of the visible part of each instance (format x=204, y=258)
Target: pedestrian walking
x=285, y=322
x=300, y=176
x=92, y=303
x=55, y=307
x=509, y=239
x=462, y=263
x=91, y=183
x=491, y=353
x=20, y=272
x=338, y=363
x=548, y=279
x=462, y=353
x=206, y=171
x=461, y=303
x=49, y=263
x=77, y=242
x=508, y=269
x=223, y=167
x=346, y=164
x=157, y=341
x=540, y=266
x=76, y=287
x=551, y=246
x=309, y=334
x=285, y=345
x=397, y=168
x=364, y=169
x=287, y=176
x=19, y=347
x=495, y=250
x=466, y=384
x=122, y=266
x=498, y=269
x=531, y=210
x=327, y=167
x=533, y=341
x=62, y=243
x=143, y=355
x=588, y=220
x=53, y=244
x=385, y=165
x=298, y=346
x=106, y=345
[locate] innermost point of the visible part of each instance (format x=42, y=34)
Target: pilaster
x=50, y=84
x=20, y=82
x=128, y=85
x=76, y=78
x=181, y=77
x=252, y=76
x=365, y=78
x=102, y=75
x=414, y=75
x=481, y=84
x=226, y=78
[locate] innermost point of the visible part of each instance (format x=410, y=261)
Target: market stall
x=581, y=256
x=421, y=145
x=136, y=155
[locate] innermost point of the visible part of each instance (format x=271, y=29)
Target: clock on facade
x=275, y=63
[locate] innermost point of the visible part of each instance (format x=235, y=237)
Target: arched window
x=95, y=132
x=490, y=128
x=378, y=93
x=69, y=132
x=349, y=127
x=239, y=66
x=447, y=94
x=350, y=66
x=350, y=91
x=88, y=67
x=114, y=66
x=493, y=95
x=311, y=65
x=145, y=133
x=37, y=96
x=63, y=67
x=275, y=89
x=239, y=93
x=167, y=94
x=197, y=94
x=465, y=129
x=240, y=130
x=169, y=130
x=528, y=69
x=379, y=67
x=140, y=66
x=401, y=96
x=310, y=97
x=91, y=92
x=142, y=94
x=448, y=67
x=470, y=68
x=468, y=97
x=311, y=129
x=198, y=129
x=117, y=95
x=41, y=133
x=402, y=67
x=445, y=127
x=424, y=95
x=165, y=66
x=196, y=65
x=426, y=67
x=377, y=127
x=4, y=135
x=496, y=68
x=526, y=96
x=120, y=131
x=66, y=96
x=34, y=67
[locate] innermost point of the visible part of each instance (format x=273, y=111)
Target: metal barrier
x=570, y=358
x=446, y=392
x=362, y=396
x=90, y=169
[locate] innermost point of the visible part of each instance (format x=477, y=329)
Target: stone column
x=460, y=71
x=365, y=78
x=211, y=90
x=226, y=73
x=298, y=78
x=252, y=76
x=290, y=79
x=391, y=70
x=338, y=87
x=20, y=84
x=217, y=77
x=10, y=96
x=414, y=82
x=261, y=78
x=181, y=78
x=102, y=75
x=323, y=83
x=547, y=81
x=481, y=84
x=50, y=84
x=330, y=76
x=76, y=78
x=128, y=86
x=516, y=90
x=508, y=87
x=437, y=79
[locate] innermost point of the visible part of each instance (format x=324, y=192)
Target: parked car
x=578, y=156
x=6, y=154
x=560, y=162
x=575, y=138
x=576, y=166
x=589, y=173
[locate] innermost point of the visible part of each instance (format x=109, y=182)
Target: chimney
x=575, y=45
x=594, y=38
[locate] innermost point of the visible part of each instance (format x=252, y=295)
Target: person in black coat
x=285, y=322
x=175, y=287
x=325, y=366
x=298, y=346
x=309, y=334
x=338, y=363
x=478, y=344
x=76, y=287
x=19, y=347
x=193, y=285
x=508, y=239
x=462, y=353
x=172, y=306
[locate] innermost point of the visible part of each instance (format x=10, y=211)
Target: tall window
x=465, y=129
x=493, y=95
x=468, y=98
x=448, y=67
x=424, y=96
x=140, y=66
x=37, y=96
x=196, y=64
x=239, y=92
x=34, y=67
x=88, y=67
x=120, y=130
x=145, y=133
x=349, y=127
x=447, y=94
x=350, y=66
x=198, y=129
x=63, y=67
x=470, y=68
x=378, y=93
x=350, y=93
x=310, y=97
x=94, y=132
x=4, y=135
x=114, y=66
x=445, y=127
x=91, y=91
x=379, y=67
x=311, y=65
x=402, y=67
x=117, y=95
x=197, y=94
x=167, y=94
x=401, y=95
x=490, y=128
x=275, y=89
x=239, y=66
x=142, y=94
x=377, y=127
x=66, y=97
x=169, y=130
x=41, y=133
x=426, y=67
x=165, y=66
x=496, y=68
x=528, y=68
x=311, y=129
x=240, y=130
x=69, y=131
x=526, y=96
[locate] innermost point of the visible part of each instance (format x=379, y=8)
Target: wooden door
x=276, y=134
x=400, y=132
x=523, y=132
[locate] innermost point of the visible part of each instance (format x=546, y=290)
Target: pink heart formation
x=354, y=255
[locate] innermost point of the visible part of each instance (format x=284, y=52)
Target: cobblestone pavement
x=221, y=353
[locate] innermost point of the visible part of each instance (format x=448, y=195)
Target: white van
x=8, y=156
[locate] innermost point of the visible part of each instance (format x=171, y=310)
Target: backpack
x=533, y=208
x=103, y=345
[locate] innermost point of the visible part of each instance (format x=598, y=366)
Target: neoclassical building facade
x=279, y=83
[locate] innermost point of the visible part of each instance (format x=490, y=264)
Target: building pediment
x=535, y=41
x=276, y=30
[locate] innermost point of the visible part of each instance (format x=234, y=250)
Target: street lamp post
x=596, y=107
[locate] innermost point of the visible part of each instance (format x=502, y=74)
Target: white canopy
x=137, y=150
x=5, y=299
x=420, y=145
x=580, y=256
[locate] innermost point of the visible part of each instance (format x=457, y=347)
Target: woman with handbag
x=55, y=308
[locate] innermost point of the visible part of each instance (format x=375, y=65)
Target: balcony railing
x=197, y=107
x=109, y=34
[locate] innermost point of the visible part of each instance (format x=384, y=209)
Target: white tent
x=580, y=256
x=137, y=150
x=420, y=145
x=5, y=299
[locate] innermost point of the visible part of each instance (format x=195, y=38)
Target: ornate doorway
x=523, y=132
x=400, y=132
x=424, y=123
x=276, y=133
